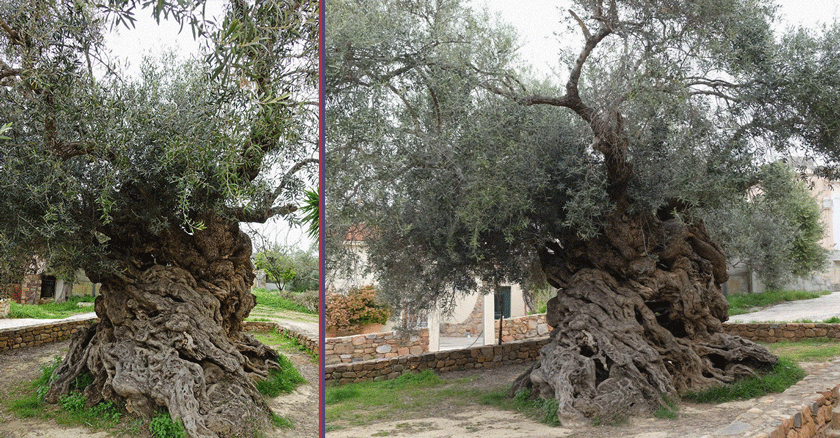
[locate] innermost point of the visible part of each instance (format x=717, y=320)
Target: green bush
x=162, y=426
x=74, y=402
x=357, y=308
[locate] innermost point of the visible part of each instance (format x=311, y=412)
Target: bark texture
x=170, y=333
x=637, y=318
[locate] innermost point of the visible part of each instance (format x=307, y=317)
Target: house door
x=502, y=302
x=48, y=287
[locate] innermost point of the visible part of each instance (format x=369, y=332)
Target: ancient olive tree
x=143, y=183
x=463, y=167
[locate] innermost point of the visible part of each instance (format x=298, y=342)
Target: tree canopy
x=80, y=141
x=142, y=182
x=460, y=157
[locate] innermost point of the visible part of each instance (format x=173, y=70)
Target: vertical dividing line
x=321, y=225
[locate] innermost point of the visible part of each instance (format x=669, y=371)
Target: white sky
x=538, y=20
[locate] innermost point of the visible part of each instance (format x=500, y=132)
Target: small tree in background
x=291, y=268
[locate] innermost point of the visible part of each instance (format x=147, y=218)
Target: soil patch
x=20, y=366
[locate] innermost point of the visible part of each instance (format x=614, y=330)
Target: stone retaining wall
x=359, y=348
x=40, y=334
x=791, y=331
x=490, y=356
x=258, y=326
x=58, y=331
x=523, y=327
x=805, y=410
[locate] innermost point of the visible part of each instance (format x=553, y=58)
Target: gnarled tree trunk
x=170, y=332
x=637, y=318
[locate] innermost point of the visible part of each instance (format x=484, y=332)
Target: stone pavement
x=817, y=310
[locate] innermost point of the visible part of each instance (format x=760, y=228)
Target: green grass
x=832, y=320
x=542, y=410
x=809, y=350
x=281, y=300
x=668, y=411
x=784, y=374
x=403, y=397
x=281, y=342
x=282, y=381
x=162, y=426
x=281, y=422
x=51, y=310
x=29, y=402
x=744, y=303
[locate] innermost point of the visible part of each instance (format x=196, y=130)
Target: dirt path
x=473, y=419
x=21, y=365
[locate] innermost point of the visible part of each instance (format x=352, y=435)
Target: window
x=502, y=302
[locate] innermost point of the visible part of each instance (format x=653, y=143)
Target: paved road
x=818, y=309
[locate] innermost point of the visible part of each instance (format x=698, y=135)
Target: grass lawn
x=300, y=306
x=281, y=342
x=745, y=303
x=51, y=310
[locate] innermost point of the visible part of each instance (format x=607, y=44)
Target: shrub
x=357, y=308
x=162, y=426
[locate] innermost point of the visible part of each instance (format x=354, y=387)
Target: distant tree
x=468, y=167
x=777, y=232
x=143, y=183
x=291, y=268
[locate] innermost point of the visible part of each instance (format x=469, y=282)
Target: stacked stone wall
x=490, y=356
x=358, y=348
x=474, y=324
x=30, y=289
x=306, y=341
x=790, y=331
x=30, y=336
x=523, y=327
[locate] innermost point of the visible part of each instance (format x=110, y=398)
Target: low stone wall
x=490, y=356
x=805, y=410
x=30, y=336
x=359, y=348
x=790, y=331
x=523, y=327
x=259, y=326
x=47, y=332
